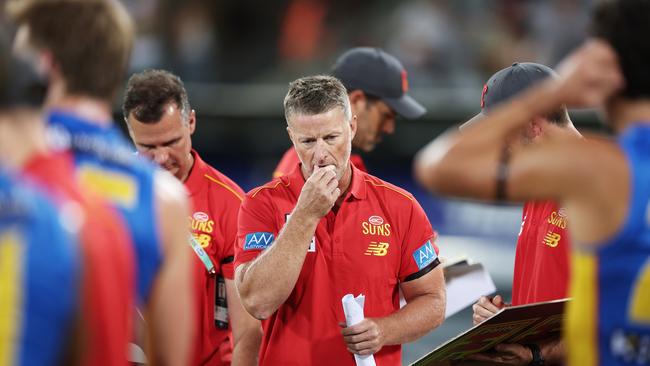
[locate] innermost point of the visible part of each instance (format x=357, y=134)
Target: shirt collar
x=193, y=181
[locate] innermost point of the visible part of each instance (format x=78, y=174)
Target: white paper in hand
x=353, y=310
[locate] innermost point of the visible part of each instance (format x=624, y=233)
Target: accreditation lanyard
x=203, y=256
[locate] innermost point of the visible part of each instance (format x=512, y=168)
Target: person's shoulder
x=221, y=184
x=288, y=162
x=386, y=189
x=271, y=189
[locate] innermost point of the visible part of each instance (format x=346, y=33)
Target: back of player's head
x=20, y=86
x=90, y=41
x=625, y=25
x=313, y=95
x=148, y=92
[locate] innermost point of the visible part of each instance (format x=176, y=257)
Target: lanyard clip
x=203, y=256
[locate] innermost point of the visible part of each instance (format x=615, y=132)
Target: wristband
x=537, y=355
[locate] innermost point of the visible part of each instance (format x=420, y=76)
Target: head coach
x=328, y=229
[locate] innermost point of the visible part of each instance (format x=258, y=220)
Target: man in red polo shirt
x=326, y=230
x=542, y=255
x=377, y=88
x=161, y=122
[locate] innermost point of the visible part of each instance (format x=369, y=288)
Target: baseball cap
x=508, y=82
x=378, y=74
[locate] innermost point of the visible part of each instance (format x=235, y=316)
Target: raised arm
x=472, y=162
x=267, y=281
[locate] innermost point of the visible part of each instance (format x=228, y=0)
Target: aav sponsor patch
x=424, y=255
x=258, y=240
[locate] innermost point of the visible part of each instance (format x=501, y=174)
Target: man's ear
x=191, y=121
x=357, y=100
x=353, y=126
x=290, y=133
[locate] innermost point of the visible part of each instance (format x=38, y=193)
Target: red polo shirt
x=215, y=203
x=379, y=237
x=290, y=161
x=542, y=256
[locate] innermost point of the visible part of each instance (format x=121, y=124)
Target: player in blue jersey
x=604, y=183
x=83, y=47
x=40, y=262
x=39, y=269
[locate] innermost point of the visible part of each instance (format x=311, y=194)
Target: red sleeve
x=287, y=164
x=257, y=227
x=229, y=230
x=419, y=250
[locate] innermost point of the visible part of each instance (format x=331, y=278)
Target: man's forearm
x=246, y=349
x=267, y=281
x=418, y=317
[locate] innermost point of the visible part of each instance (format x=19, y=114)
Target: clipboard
x=514, y=324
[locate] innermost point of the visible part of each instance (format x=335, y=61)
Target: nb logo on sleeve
x=425, y=255
x=258, y=241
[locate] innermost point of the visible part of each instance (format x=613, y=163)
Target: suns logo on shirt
x=558, y=218
x=375, y=226
x=201, y=227
x=200, y=221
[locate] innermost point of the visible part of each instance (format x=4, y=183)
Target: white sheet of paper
x=465, y=289
x=353, y=310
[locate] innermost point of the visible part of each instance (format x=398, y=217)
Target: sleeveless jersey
x=106, y=166
x=107, y=282
x=39, y=268
x=609, y=318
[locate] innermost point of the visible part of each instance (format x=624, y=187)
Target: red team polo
x=216, y=200
x=108, y=281
x=542, y=257
x=290, y=161
x=379, y=237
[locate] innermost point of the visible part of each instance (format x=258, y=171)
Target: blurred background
x=237, y=57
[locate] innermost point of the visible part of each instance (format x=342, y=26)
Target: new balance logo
x=378, y=249
x=552, y=239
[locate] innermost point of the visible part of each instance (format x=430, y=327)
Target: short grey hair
x=317, y=94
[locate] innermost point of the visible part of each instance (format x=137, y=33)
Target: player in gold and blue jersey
x=39, y=268
x=83, y=48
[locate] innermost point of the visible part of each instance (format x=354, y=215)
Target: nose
x=320, y=152
x=159, y=156
x=389, y=126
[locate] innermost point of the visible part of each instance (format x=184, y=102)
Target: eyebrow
x=165, y=143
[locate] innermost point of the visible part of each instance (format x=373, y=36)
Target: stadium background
x=237, y=56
